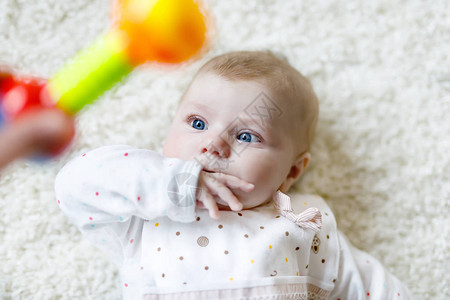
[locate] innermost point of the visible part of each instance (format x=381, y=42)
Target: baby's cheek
x=169, y=149
x=260, y=195
x=265, y=182
x=173, y=148
x=264, y=172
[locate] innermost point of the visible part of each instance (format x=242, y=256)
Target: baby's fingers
x=207, y=200
x=223, y=193
x=233, y=182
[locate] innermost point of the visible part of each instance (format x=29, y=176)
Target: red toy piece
x=21, y=97
x=18, y=95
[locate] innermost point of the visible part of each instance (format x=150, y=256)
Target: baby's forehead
x=251, y=97
x=248, y=92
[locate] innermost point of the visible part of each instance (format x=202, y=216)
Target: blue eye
x=248, y=138
x=198, y=124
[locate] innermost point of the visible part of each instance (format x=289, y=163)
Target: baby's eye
x=198, y=124
x=248, y=137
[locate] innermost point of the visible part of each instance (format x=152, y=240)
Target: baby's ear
x=297, y=169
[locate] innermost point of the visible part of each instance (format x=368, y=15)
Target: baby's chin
x=247, y=204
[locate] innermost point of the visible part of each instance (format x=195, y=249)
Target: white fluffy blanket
x=381, y=156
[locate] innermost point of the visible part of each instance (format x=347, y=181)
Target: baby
x=209, y=218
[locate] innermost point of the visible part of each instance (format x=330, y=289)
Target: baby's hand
x=219, y=184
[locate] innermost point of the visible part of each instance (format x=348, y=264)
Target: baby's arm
x=108, y=192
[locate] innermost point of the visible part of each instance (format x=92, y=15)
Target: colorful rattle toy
x=168, y=31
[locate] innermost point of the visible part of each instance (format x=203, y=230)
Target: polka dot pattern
x=172, y=244
x=254, y=244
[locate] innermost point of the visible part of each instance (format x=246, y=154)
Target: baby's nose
x=218, y=147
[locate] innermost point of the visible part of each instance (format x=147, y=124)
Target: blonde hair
x=281, y=79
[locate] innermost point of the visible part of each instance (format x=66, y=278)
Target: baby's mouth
x=214, y=171
x=213, y=166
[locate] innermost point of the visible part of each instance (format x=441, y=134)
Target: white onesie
x=139, y=207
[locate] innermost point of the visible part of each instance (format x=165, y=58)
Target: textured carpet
x=381, y=155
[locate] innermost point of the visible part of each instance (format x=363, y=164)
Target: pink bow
x=311, y=218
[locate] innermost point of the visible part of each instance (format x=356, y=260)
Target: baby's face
x=217, y=125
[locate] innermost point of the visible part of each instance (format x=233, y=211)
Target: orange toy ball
x=169, y=31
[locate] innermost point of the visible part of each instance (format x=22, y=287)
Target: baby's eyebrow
x=258, y=125
x=200, y=106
